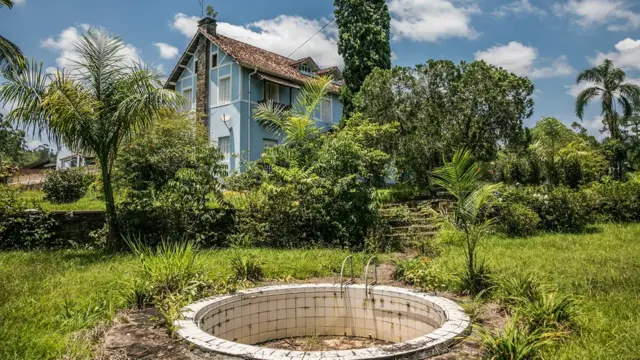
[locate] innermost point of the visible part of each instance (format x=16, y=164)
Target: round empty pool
x=409, y=320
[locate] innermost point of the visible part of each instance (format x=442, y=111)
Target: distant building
x=225, y=79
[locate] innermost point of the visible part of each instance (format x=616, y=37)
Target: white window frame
x=277, y=92
x=220, y=80
x=190, y=101
x=305, y=68
x=329, y=120
x=227, y=153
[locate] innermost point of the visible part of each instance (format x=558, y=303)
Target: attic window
x=214, y=60
x=305, y=68
x=196, y=67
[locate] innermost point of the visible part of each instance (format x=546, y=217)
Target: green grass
x=602, y=268
x=48, y=300
x=89, y=202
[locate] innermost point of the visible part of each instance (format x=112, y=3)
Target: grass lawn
x=48, y=298
x=602, y=268
x=89, y=202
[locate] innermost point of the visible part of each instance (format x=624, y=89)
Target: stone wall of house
x=202, y=93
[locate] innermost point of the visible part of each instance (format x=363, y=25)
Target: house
x=225, y=79
x=66, y=158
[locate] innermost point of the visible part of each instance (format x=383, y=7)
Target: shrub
x=514, y=290
x=478, y=282
x=515, y=341
x=66, y=186
x=517, y=220
x=551, y=311
x=24, y=226
x=561, y=209
x=616, y=200
x=246, y=267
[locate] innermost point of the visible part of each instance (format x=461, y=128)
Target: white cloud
x=522, y=60
x=65, y=45
x=19, y=2
x=166, y=51
x=33, y=144
x=281, y=35
x=627, y=56
x=187, y=25
x=431, y=20
x=588, y=13
x=518, y=7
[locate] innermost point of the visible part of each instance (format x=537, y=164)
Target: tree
x=93, y=108
x=363, y=42
x=442, y=107
x=607, y=83
x=10, y=54
x=462, y=179
x=11, y=144
x=550, y=135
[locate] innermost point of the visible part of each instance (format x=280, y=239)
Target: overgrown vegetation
x=66, y=186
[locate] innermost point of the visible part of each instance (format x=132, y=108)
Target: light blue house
x=225, y=79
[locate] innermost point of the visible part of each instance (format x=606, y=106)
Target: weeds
x=514, y=342
x=552, y=312
x=246, y=268
x=514, y=290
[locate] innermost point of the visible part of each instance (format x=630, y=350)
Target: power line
x=309, y=39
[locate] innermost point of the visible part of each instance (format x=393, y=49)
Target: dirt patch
x=324, y=343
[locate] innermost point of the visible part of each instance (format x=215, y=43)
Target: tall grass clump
x=551, y=312
x=171, y=275
x=518, y=289
x=246, y=267
x=514, y=342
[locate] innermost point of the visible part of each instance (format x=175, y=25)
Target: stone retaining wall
x=75, y=226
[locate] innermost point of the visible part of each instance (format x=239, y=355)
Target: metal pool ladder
x=366, y=274
x=350, y=257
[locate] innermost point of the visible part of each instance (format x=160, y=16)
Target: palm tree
x=608, y=84
x=296, y=123
x=10, y=54
x=94, y=107
x=462, y=179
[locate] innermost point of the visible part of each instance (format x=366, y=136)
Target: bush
x=517, y=220
x=66, y=186
x=616, y=200
x=24, y=226
x=515, y=341
x=561, y=209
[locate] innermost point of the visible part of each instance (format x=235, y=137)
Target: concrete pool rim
x=455, y=323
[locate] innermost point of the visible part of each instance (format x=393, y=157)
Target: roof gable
x=246, y=55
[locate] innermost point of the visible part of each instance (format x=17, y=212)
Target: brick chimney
x=210, y=25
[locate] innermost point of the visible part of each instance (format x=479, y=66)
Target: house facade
x=224, y=79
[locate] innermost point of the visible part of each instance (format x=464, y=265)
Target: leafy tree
x=441, y=107
x=11, y=144
x=174, y=142
x=93, y=108
x=550, y=135
x=608, y=84
x=10, y=54
x=462, y=179
x=363, y=42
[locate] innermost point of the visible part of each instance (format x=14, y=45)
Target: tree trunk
x=112, y=220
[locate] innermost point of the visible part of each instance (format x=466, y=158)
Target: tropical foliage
x=10, y=54
x=93, y=107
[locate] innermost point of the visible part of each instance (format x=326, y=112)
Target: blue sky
x=549, y=41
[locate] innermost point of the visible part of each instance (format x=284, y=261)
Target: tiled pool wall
x=292, y=312
x=236, y=324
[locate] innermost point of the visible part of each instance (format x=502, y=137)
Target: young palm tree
x=10, y=54
x=550, y=135
x=608, y=85
x=462, y=179
x=94, y=107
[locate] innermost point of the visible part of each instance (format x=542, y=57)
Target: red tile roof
x=253, y=57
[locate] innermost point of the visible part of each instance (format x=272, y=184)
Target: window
x=271, y=92
x=224, y=144
x=269, y=143
x=214, y=60
x=188, y=95
x=305, y=68
x=325, y=110
x=196, y=66
x=224, y=91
